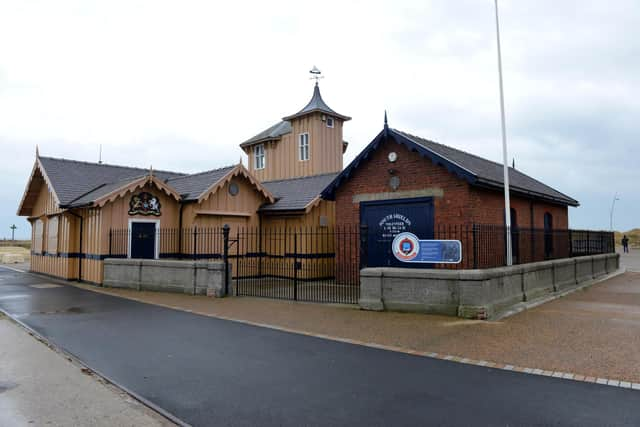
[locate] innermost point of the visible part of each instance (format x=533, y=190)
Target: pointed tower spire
x=317, y=104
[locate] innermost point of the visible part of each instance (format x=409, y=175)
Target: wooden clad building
x=76, y=207
x=82, y=213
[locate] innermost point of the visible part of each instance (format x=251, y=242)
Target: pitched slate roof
x=102, y=191
x=72, y=179
x=190, y=187
x=295, y=194
x=476, y=170
x=316, y=104
x=274, y=132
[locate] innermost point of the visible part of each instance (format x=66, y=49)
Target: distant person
x=625, y=244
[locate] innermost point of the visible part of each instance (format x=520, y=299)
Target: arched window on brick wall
x=548, y=235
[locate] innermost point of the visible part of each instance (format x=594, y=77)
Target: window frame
x=304, y=145
x=332, y=122
x=53, y=225
x=259, y=158
x=38, y=236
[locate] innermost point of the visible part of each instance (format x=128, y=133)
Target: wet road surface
x=208, y=371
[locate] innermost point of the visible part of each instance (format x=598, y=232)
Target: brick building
x=401, y=182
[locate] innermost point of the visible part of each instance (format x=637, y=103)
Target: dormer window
x=258, y=156
x=329, y=122
x=303, y=146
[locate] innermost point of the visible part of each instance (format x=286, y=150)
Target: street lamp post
x=507, y=202
x=13, y=230
x=613, y=204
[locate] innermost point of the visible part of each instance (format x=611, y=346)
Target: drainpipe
x=80, y=247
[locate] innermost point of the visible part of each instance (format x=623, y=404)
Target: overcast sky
x=178, y=85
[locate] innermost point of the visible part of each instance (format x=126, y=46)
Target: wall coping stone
x=486, y=292
x=122, y=261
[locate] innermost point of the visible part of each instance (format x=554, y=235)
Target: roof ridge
x=486, y=160
x=120, y=181
x=511, y=169
x=200, y=173
x=84, y=162
x=302, y=177
x=451, y=147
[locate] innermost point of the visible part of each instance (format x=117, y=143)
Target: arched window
x=548, y=235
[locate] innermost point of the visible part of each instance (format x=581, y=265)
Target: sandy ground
x=13, y=254
x=38, y=387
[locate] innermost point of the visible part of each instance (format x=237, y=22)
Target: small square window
x=329, y=122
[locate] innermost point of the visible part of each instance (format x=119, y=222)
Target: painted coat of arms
x=144, y=204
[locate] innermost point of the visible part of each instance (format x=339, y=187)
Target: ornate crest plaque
x=144, y=204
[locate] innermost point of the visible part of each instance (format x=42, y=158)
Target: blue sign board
x=406, y=247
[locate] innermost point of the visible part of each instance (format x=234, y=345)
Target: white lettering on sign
x=393, y=224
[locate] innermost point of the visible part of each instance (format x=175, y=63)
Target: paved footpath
x=209, y=371
x=39, y=387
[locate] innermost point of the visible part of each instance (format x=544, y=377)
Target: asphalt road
x=207, y=371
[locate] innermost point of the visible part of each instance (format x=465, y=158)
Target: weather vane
x=315, y=74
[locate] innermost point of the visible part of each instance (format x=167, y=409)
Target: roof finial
x=37, y=151
x=386, y=123
x=315, y=74
x=240, y=160
x=151, y=170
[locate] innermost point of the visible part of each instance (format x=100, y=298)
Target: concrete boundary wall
x=188, y=277
x=476, y=294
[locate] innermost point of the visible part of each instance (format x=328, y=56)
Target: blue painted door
x=385, y=219
x=143, y=240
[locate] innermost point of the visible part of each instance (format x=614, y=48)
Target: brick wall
x=460, y=204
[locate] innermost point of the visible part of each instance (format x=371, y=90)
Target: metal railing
x=337, y=253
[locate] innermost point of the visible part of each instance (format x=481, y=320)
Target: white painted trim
x=307, y=146
x=255, y=156
x=157, y=242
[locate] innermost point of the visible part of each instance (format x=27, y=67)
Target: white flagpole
x=507, y=203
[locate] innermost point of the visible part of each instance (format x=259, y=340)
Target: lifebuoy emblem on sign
x=405, y=246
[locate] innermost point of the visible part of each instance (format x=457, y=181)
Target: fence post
x=110, y=240
x=295, y=266
x=364, y=236
x=570, y=243
x=225, y=257
x=195, y=241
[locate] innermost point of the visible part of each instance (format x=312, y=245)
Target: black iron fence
x=174, y=243
x=323, y=263
x=300, y=263
x=484, y=246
